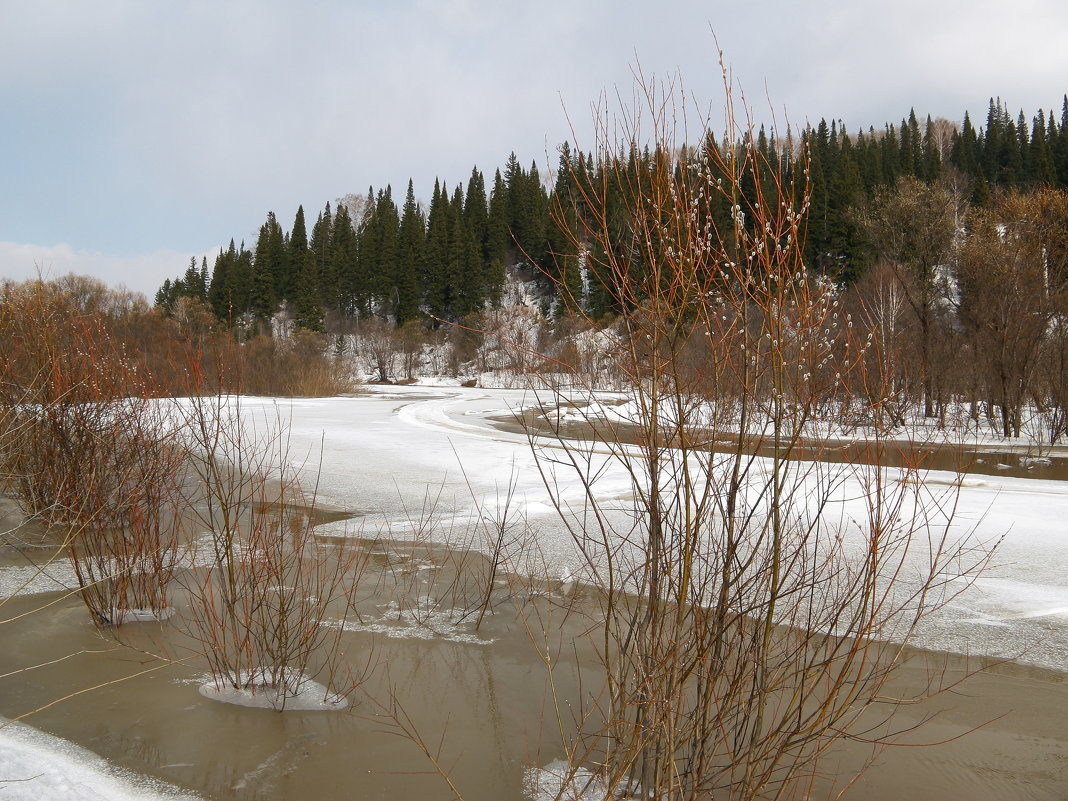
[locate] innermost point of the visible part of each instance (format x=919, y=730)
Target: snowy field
x=396, y=456
x=384, y=453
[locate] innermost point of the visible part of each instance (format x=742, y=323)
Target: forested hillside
x=948, y=244
x=368, y=255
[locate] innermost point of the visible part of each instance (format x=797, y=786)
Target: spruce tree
x=916, y=165
x=320, y=250
x=344, y=255
x=845, y=259
x=192, y=283
x=307, y=305
x=360, y=277
x=818, y=235
x=497, y=221
x=220, y=290
x=456, y=259
x=476, y=211
x=241, y=280
x=296, y=252
x=470, y=286
x=1026, y=176
x=409, y=258
x=1039, y=158
x=380, y=240
x=932, y=155
x=268, y=269
x=560, y=263
x=496, y=239
x=165, y=296
x=436, y=255
x=531, y=232
x=966, y=149
x=1060, y=146
x=891, y=155
x=990, y=159
x=980, y=196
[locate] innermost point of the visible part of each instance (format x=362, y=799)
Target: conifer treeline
x=368, y=257
x=845, y=171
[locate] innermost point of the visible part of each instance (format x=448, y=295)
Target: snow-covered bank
x=428, y=461
x=35, y=766
x=431, y=461
x=395, y=453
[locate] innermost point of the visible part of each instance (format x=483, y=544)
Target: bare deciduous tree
x=913, y=226
x=1010, y=296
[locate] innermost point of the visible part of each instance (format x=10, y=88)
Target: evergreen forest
x=947, y=240
x=370, y=256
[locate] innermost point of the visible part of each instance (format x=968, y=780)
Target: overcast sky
x=135, y=134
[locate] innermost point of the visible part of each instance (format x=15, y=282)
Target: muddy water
x=1012, y=462
x=476, y=698
x=480, y=701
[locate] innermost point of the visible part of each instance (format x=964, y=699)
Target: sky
x=135, y=135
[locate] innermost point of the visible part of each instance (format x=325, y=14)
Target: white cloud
x=137, y=125
x=139, y=272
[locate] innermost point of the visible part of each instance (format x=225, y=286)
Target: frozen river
x=428, y=460
x=385, y=453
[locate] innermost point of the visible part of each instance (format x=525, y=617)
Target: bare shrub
x=268, y=609
x=297, y=366
x=380, y=341
x=750, y=615
x=87, y=450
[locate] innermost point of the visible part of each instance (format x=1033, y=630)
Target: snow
x=386, y=452
x=557, y=781
x=429, y=460
x=257, y=693
x=120, y=617
x=38, y=767
x=25, y=580
x=424, y=621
